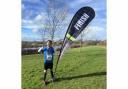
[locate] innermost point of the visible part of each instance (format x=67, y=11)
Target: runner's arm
x=40, y=50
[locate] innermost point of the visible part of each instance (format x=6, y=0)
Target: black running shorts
x=48, y=66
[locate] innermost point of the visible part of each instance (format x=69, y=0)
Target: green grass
x=80, y=68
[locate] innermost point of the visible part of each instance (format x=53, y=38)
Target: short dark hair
x=49, y=41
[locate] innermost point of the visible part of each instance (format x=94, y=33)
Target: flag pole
x=62, y=46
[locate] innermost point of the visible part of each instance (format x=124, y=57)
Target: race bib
x=49, y=57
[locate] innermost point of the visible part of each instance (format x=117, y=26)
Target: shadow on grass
x=81, y=76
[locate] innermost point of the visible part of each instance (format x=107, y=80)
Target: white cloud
x=34, y=24
x=40, y=16
x=76, y=3
x=25, y=22
x=34, y=30
x=94, y=29
x=30, y=24
x=94, y=32
x=99, y=22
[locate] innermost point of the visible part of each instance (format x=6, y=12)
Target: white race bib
x=49, y=57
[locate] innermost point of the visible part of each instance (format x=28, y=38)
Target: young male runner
x=48, y=59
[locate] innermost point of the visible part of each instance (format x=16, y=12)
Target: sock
x=52, y=74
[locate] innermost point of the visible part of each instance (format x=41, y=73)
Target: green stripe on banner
x=70, y=37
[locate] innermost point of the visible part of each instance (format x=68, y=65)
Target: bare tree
x=42, y=28
x=42, y=34
x=55, y=17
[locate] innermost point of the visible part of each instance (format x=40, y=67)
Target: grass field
x=80, y=68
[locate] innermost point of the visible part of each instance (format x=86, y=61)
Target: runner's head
x=49, y=43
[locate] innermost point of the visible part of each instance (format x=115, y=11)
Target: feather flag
x=79, y=22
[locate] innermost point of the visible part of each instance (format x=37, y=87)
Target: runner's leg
x=45, y=73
